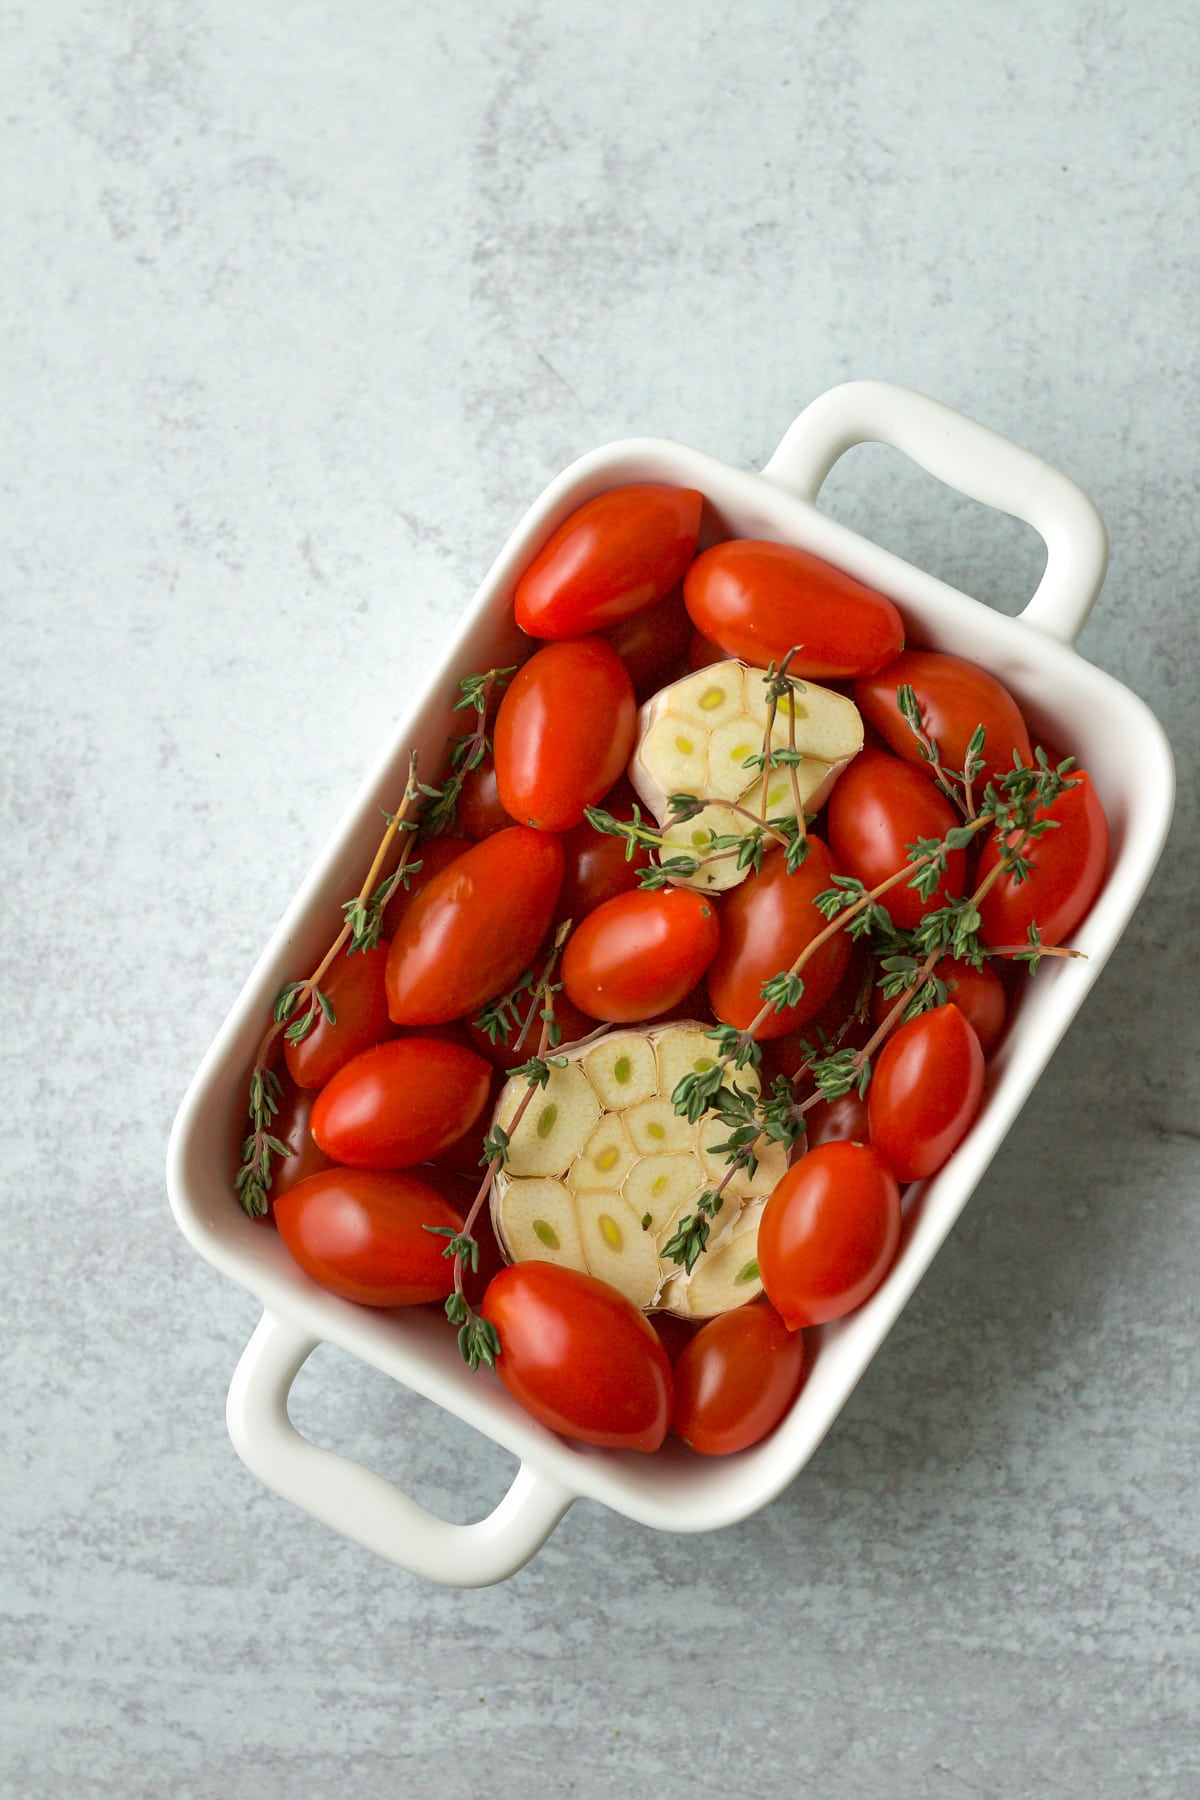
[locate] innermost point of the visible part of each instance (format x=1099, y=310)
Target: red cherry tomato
x=841, y=1121
x=475, y=928
x=736, y=1379
x=355, y=990
x=879, y=807
x=291, y=1126
x=430, y=857
x=370, y=1237
x=639, y=954
x=653, y=644
x=1069, y=864
x=579, y=1356
x=616, y=555
x=925, y=1092
x=828, y=1234
x=564, y=732
x=758, y=600
x=977, y=993
x=765, y=924
x=954, y=697
x=401, y=1103
x=479, y=811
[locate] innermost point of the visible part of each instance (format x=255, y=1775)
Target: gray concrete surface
x=301, y=306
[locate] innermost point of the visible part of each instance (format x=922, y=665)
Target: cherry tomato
x=564, y=732
x=430, y=857
x=758, y=600
x=841, y=1121
x=474, y=929
x=579, y=1356
x=828, y=1234
x=479, y=810
x=977, y=993
x=291, y=1126
x=765, y=924
x=355, y=990
x=370, y=1237
x=736, y=1379
x=639, y=954
x=954, y=697
x=1069, y=865
x=400, y=1103
x=925, y=1092
x=879, y=807
x=616, y=555
x=653, y=643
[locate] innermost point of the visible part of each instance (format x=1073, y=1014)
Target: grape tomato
x=616, y=555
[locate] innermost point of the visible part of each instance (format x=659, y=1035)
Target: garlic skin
x=602, y=1169
x=694, y=737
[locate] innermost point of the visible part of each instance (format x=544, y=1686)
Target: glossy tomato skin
x=978, y=994
x=638, y=955
x=757, y=600
x=401, y=1103
x=736, y=1379
x=354, y=987
x=429, y=859
x=765, y=924
x=580, y=1357
x=879, y=807
x=925, y=1092
x=615, y=555
x=367, y=1236
x=954, y=697
x=564, y=732
x=475, y=928
x=653, y=643
x=828, y=1234
x=1069, y=865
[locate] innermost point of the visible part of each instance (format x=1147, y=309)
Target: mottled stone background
x=301, y=306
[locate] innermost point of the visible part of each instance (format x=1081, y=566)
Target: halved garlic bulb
x=700, y=735
x=602, y=1170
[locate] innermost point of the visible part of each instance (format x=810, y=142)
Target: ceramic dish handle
x=364, y=1506
x=975, y=461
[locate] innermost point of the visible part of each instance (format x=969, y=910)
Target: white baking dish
x=1074, y=704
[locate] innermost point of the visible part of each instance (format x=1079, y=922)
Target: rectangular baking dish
x=1108, y=728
